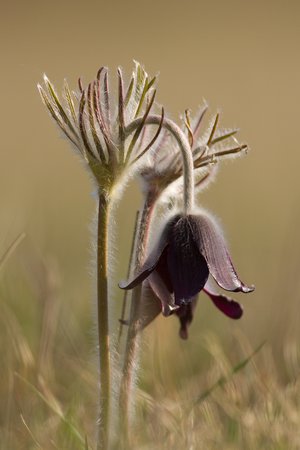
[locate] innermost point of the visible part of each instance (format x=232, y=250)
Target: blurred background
x=242, y=57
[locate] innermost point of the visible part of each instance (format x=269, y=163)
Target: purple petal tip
x=246, y=289
x=227, y=305
x=122, y=284
x=168, y=310
x=239, y=311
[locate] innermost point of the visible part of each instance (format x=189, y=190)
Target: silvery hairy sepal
x=209, y=145
x=95, y=122
x=190, y=249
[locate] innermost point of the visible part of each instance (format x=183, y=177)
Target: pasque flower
x=209, y=145
x=190, y=248
x=96, y=122
x=108, y=132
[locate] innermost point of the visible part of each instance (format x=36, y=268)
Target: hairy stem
x=102, y=322
x=132, y=345
x=131, y=353
x=186, y=154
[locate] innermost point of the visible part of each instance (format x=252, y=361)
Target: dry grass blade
x=30, y=432
x=224, y=379
x=54, y=408
x=11, y=249
x=19, y=345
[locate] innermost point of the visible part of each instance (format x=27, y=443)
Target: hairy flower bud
x=96, y=123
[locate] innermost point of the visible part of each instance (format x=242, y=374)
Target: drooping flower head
x=190, y=249
x=162, y=185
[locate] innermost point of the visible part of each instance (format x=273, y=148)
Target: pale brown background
x=242, y=56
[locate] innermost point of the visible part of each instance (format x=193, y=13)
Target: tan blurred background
x=240, y=56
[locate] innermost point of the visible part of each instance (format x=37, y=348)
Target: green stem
x=102, y=322
x=132, y=345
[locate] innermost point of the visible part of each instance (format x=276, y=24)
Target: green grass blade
x=224, y=379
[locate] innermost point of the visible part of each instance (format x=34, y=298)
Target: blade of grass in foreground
x=224, y=379
x=55, y=408
x=30, y=432
x=11, y=249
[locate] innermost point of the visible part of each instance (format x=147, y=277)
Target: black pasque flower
x=191, y=248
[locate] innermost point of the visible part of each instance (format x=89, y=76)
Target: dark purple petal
x=163, y=270
x=151, y=307
x=186, y=315
x=146, y=269
x=227, y=305
x=153, y=258
x=187, y=267
x=162, y=292
x=211, y=245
